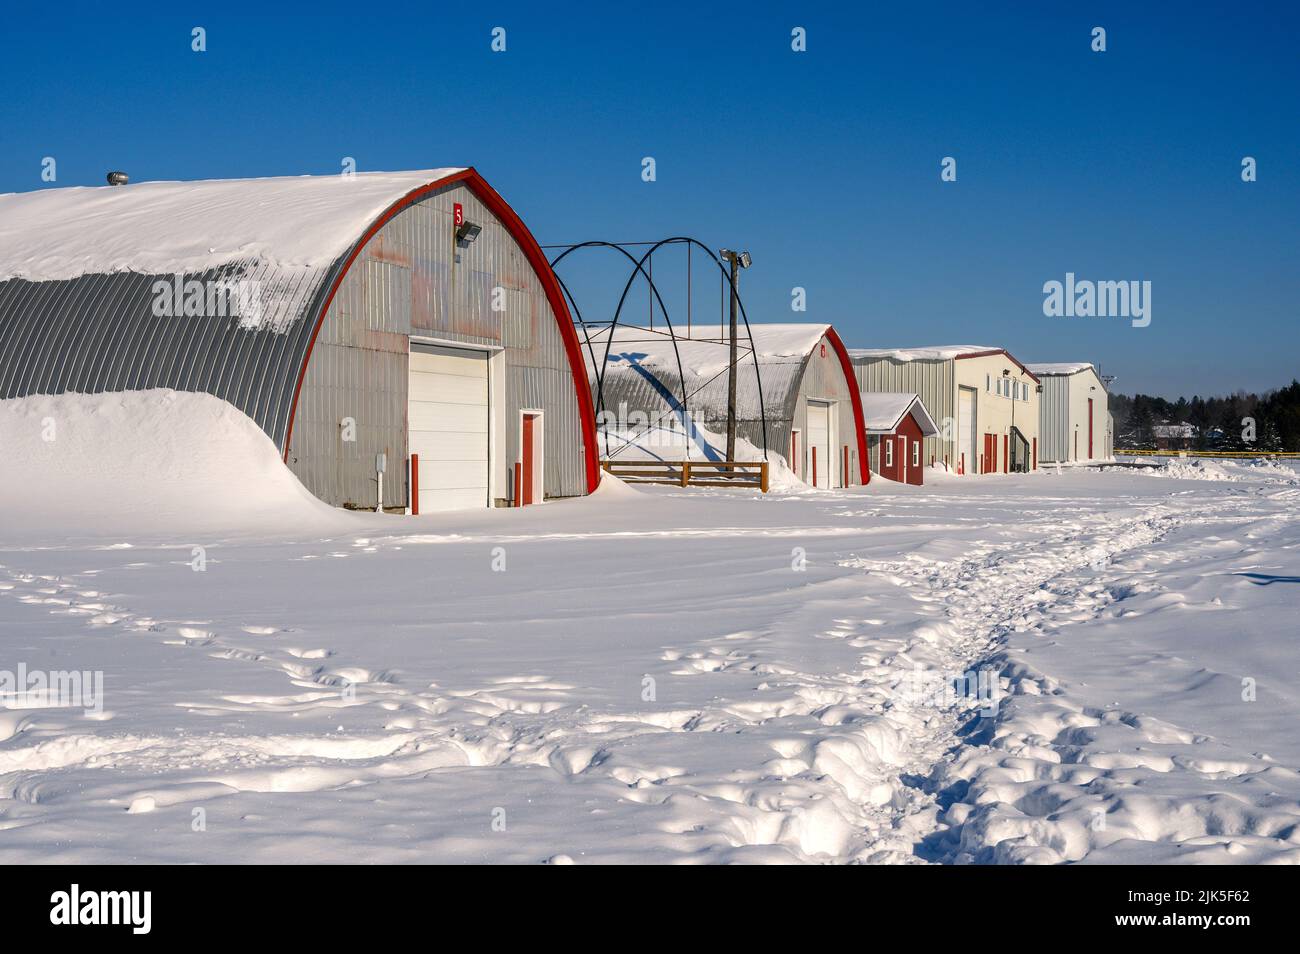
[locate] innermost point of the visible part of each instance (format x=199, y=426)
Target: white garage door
x=447, y=420
x=819, y=444
x=966, y=430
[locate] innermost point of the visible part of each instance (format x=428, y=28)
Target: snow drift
x=155, y=461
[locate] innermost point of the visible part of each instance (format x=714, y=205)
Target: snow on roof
x=933, y=353
x=642, y=368
x=190, y=227
x=706, y=353
x=1065, y=367
x=883, y=411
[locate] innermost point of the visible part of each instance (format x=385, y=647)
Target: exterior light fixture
x=467, y=232
x=116, y=178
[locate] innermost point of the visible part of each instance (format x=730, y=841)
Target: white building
x=984, y=401
x=1074, y=420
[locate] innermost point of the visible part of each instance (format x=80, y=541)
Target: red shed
x=896, y=422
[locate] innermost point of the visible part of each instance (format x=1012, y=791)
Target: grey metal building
x=1075, y=421
x=403, y=314
x=808, y=400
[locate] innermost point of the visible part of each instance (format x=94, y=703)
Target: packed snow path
x=676, y=676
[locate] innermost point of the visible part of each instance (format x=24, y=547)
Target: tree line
x=1237, y=422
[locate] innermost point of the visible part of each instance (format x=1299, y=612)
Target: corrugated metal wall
x=99, y=333
x=933, y=380
x=407, y=281
x=1054, y=418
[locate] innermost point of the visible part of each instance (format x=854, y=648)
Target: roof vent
x=118, y=178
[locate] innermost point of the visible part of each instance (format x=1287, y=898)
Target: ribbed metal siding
x=406, y=282
x=98, y=333
x=1054, y=418
x=933, y=380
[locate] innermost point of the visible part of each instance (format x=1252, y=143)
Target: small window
x=889, y=453
x=916, y=453
x=988, y=384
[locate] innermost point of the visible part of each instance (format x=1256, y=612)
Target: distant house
x=1175, y=436
x=985, y=400
x=897, y=424
x=1074, y=422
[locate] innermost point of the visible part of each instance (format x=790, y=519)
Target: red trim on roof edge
x=855, y=395
x=1014, y=360
x=536, y=258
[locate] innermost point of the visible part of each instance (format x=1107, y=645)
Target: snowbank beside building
x=150, y=462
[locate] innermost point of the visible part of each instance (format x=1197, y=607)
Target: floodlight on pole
x=738, y=261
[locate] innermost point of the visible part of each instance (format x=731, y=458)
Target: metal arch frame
x=639, y=268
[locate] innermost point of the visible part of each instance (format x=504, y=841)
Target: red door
x=1090, y=428
x=1006, y=452
x=527, y=478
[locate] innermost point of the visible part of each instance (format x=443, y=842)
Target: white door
x=819, y=444
x=447, y=424
x=966, y=430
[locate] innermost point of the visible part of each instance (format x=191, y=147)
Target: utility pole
x=738, y=260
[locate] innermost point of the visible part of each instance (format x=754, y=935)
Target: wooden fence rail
x=691, y=473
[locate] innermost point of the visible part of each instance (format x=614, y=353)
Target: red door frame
x=1006, y=453
x=526, y=478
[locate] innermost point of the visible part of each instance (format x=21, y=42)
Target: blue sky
x=1123, y=165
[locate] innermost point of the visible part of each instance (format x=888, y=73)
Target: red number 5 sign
x=458, y=215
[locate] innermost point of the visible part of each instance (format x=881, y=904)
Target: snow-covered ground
x=649, y=674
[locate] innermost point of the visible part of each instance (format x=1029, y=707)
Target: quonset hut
x=350, y=316
x=809, y=398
